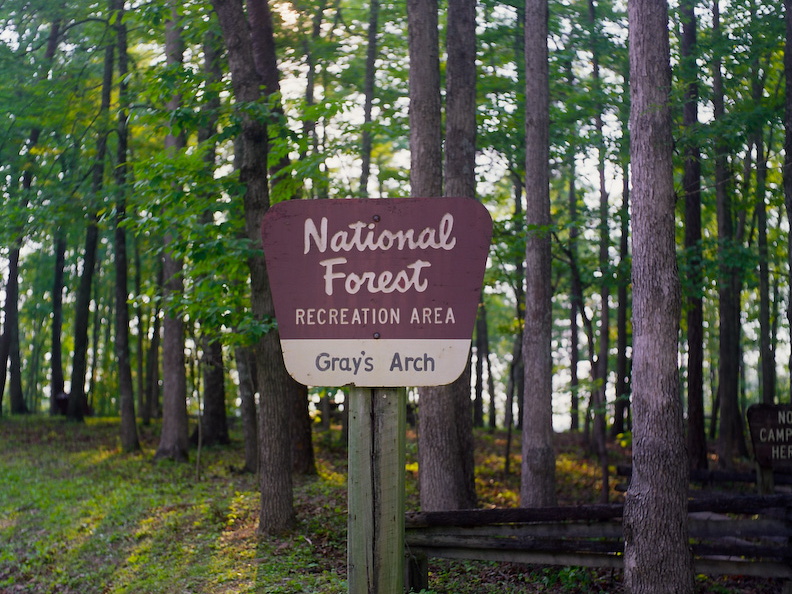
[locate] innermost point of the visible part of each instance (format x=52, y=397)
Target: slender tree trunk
x=153, y=407
x=478, y=400
x=213, y=428
x=140, y=377
x=766, y=352
x=574, y=305
x=622, y=405
x=16, y=396
x=691, y=185
x=538, y=458
x=368, y=94
x=245, y=364
x=10, y=360
x=129, y=435
x=600, y=370
x=657, y=555
x=78, y=401
x=728, y=287
x=58, y=400
x=787, y=181
x=174, y=436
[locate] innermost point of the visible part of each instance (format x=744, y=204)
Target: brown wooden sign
x=376, y=293
x=771, y=435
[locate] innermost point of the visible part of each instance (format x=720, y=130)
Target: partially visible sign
x=771, y=434
x=376, y=293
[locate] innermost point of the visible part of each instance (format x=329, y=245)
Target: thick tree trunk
x=538, y=458
x=275, y=456
x=445, y=442
x=657, y=555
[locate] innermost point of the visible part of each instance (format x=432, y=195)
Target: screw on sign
x=376, y=292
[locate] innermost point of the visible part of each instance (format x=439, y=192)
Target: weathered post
x=375, y=553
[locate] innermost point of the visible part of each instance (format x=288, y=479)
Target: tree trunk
x=478, y=399
x=574, y=304
x=153, y=406
x=15, y=394
x=277, y=510
x=600, y=370
x=730, y=440
x=174, y=436
x=621, y=407
x=787, y=182
x=368, y=97
x=246, y=369
x=538, y=458
x=214, y=422
x=445, y=438
x=691, y=185
x=129, y=435
x=766, y=353
x=78, y=402
x=657, y=555
x=58, y=400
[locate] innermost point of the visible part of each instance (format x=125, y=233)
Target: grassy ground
x=78, y=516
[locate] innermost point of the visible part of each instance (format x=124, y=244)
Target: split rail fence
x=735, y=535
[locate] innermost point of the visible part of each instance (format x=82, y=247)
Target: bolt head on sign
x=376, y=293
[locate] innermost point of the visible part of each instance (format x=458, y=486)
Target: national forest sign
x=376, y=293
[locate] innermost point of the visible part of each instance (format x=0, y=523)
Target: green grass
x=79, y=516
x=76, y=515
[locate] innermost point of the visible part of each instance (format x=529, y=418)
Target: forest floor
x=79, y=516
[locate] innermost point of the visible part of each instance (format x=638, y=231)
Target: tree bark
x=129, y=435
x=275, y=459
x=78, y=402
x=246, y=368
x=730, y=439
x=57, y=385
x=691, y=185
x=174, y=436
x=538, y=458
x=787, y=181
x=657, y=555
x=445, y=438
x=600, y=370
x=368, y=97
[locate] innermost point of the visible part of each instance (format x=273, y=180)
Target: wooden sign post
x=377, y=295
x=376, y=491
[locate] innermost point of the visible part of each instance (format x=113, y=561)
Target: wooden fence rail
x=740, y=535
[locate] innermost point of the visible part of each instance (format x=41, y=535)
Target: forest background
x=124, y=242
